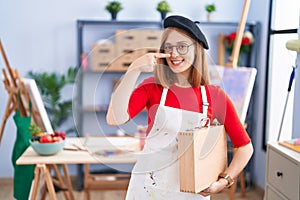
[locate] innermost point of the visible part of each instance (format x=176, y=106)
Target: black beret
x=186, y=25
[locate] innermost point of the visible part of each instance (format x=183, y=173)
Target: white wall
x=259, y=12
x=41, y=35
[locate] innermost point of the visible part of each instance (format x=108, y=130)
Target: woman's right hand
x=147, y=62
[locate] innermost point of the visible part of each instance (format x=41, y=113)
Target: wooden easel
x=233, y=59
x=13, y=84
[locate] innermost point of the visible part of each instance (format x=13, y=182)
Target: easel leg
x=63, y=184
x=59, y=180
x=8, y=110
x=49, y=182
x=242, y=182
x=36, y=181
x=232, y=190
x=2, y=128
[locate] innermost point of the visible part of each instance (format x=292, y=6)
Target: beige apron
x=156, y=174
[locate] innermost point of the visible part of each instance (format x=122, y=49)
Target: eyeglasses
x=182, y=49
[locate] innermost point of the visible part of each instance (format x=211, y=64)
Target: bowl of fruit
x=47, y=144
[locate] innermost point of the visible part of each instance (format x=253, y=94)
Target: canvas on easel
x=42, y=119
x=238, y=84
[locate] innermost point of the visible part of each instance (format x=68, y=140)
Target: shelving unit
x=97, y=86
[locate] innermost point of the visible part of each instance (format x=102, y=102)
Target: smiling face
x=182, y=66
x=180, y=62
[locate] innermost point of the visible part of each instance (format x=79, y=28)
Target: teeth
x=176, y=62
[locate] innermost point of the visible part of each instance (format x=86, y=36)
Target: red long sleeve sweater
x=148, y=93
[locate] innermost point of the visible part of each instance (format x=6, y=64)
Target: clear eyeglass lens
x=181, y=49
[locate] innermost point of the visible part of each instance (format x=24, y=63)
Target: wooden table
x=79, y=151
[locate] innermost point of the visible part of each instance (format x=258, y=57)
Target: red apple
x=47, y=138
x=60, y=133
x=56, y=139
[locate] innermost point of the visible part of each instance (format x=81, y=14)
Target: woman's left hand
x=214, y=187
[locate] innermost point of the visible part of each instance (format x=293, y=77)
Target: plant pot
x=114, y=15
x=163, y=15
x=209, y=17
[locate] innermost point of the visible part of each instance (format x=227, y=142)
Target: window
x=284, y=22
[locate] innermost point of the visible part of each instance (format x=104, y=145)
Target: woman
x=177, y=97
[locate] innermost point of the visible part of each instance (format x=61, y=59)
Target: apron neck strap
x=205, y=103
x=163, y=97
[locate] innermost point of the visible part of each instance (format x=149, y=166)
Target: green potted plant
x=51, y=87
x=210, y=8
x=113, y=7
x=163, y=7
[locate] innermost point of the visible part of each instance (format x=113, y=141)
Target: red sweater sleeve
x=146, y=95
x=137, y=102
x=224, y=110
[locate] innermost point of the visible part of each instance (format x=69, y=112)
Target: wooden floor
x=6, y=192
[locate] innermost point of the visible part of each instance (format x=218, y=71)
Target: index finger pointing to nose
x=162, y=55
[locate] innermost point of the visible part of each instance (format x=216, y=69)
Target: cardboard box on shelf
x=124, y=38
x=137, y=39
x=150, y=38
x=101, y=55
x=121, y=63
x=129, y=45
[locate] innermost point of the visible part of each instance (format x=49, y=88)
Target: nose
x=174, y=52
